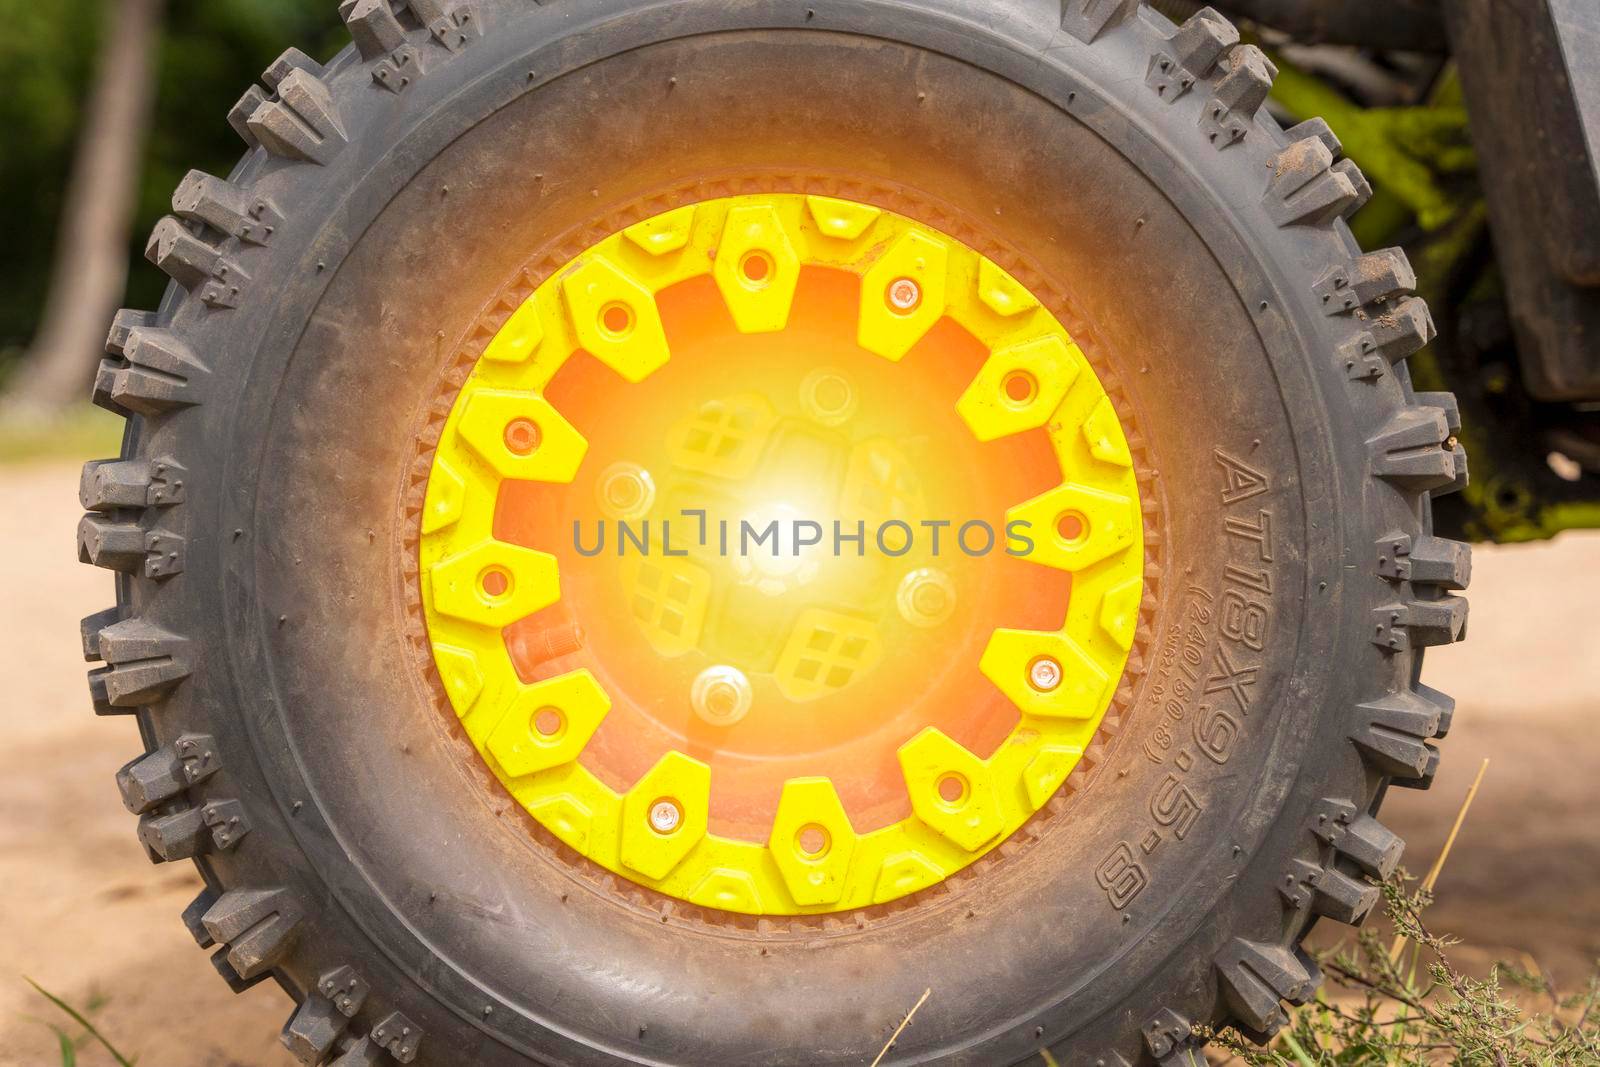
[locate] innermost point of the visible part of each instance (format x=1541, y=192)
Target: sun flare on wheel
x=908, y=560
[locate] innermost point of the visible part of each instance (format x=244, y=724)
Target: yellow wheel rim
x=657, y=829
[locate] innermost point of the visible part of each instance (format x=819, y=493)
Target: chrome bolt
x=904, y=294
x=665, y=816
x=1044, y=674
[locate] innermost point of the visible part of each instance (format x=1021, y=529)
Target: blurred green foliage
x=210, y=51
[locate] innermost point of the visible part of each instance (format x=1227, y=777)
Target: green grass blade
x=69, y=1054
x=1300, y=1055
x=89, y=1027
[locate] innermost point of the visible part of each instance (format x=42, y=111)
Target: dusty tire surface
x=262, y=521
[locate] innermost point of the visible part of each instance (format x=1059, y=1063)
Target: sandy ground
x=83, y=913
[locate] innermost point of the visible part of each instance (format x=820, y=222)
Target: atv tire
x=263, y=511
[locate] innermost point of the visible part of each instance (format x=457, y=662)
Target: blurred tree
x=46, y=61
x=91, y=266
x=209, y=51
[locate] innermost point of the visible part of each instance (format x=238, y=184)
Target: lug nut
x=1044, y=674
x=926, y=597
x=625, y=491
x=904, y=294
x=545, y=644
x=721, y=695
x=828, y=397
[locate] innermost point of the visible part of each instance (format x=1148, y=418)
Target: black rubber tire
x=280, y=405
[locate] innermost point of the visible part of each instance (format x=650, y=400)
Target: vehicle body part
x=1531, y=77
